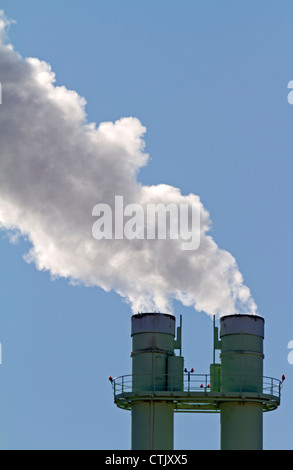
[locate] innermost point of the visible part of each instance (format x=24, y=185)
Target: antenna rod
x=214, y=349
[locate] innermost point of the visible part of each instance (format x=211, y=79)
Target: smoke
x=55, y=167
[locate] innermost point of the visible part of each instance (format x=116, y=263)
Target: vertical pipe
x=214, y=348
x=242, y=371
x=152, y=346
x=215, y=368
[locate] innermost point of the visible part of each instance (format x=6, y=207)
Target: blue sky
x=209, y=82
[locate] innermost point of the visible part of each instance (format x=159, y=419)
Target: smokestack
x=158, y=387
x=242, y=374
x=153, y=359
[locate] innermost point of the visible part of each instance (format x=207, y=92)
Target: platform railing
x=191, y=383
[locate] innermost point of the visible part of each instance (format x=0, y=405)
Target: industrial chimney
x=159, y=385
x=242, y=375
x=154, y=368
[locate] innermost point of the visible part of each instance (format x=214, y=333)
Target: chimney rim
x=245, y=324
x=153, y=322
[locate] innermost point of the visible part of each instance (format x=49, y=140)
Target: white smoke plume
x=55, y=167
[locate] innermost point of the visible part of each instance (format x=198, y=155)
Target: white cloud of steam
x=55, y=167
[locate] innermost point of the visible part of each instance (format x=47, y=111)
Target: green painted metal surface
x=154, y=365
x=235, y=387
x=241, y=425
x=152, y=425
x=215, y=374
x=242, y=368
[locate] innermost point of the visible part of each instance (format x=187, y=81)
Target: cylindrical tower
x=235, y=387
x=242, y=375
x=152, y=352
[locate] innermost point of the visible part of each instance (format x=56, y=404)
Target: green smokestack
x=242, y=374
x=235, y=387
x=153, y=362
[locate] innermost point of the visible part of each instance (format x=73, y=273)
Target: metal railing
x=190, y=383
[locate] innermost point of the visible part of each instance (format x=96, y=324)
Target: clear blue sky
x=209, y=81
